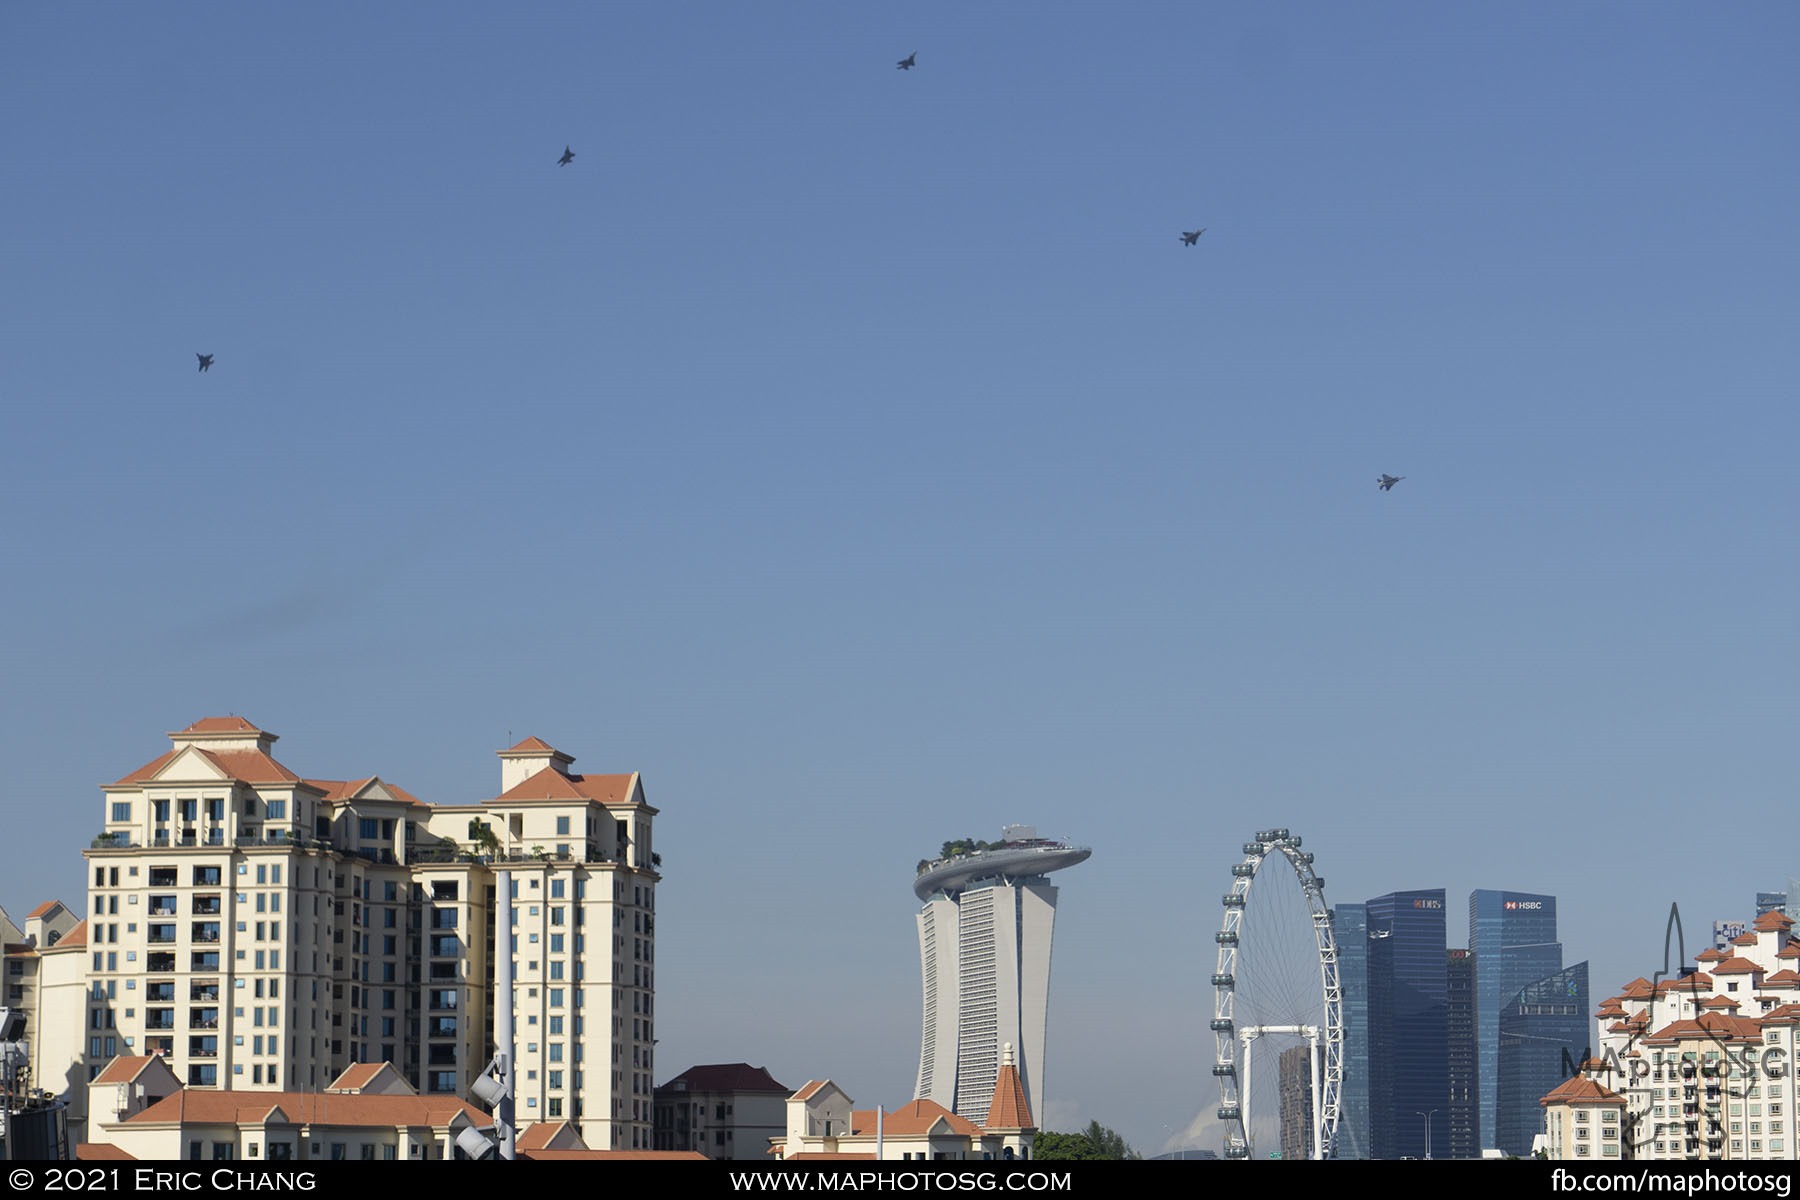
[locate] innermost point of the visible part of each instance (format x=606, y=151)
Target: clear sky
x=859, y=454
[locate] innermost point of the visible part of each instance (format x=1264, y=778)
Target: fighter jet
x=1386, y=482
x=906, y=64
x=1192, y=236
x=567, y=158
x=205, y=360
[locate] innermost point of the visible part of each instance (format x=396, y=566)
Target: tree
x=1094, y=1142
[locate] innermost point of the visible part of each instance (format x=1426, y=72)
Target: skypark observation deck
x=1023, y=860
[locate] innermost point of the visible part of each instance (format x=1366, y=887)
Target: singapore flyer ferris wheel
x=1278, y=1006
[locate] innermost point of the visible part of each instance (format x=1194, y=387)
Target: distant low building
x=722, y=1110
x=821, y=1123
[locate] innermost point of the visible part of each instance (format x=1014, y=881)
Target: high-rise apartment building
x=1409, y=1087
x=263, y=930
x=984, y=957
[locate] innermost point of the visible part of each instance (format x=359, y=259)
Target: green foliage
x=1094, y=1142
x=962, y=846
x=482, y=836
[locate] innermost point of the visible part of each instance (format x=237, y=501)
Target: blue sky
x=859, y=454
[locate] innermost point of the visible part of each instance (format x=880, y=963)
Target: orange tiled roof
x=1736, y=966
x=1774, y=921
x=1709, y=955
x=809, y=1089
x=1708, y=1025
x=533, y=745
x=551, y=784
x=911, y=1120
x=344, y=789
x=245, y=766
x=222, y=725
x=124, y=1069
x=101, y=1152
x=75, y=938
x=1744, y=939
x=355, y=1076
x=201, y=1107
x=1637, y=989
x=539, y=1136
x=1581, y=1090
x=44, y=909
x=1009, y=1109
x=1785, y=977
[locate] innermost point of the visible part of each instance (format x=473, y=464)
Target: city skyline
x=859, y=454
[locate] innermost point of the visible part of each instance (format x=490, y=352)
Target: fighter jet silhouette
x=1386, y=482
x=1192, y=236
x=205, y=360
x=567, y=158
x=906, y=64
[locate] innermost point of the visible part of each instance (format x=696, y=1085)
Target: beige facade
x=1701, y=1066
x=259, y=930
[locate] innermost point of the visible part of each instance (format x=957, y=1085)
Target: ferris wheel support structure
x=1325, y=1040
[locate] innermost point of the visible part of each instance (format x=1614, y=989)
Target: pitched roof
x=726, y=1077
x=539, y=1135
x=1773, y=921
x=1709, y=1025
x=355, y=1076
x=1581, y=1090
x=124, y=1069
x=73, y=939
x=533, y=745
x=203, y=1107
x=101, y=1152
x=809, y=1089
x=551, y=784
x=222, y=725
x=911, y=1120
x=43, y=910
x=245, y=766
x=1009, y=1109
x=1736, y=966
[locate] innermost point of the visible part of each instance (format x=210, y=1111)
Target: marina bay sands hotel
x=984, y=955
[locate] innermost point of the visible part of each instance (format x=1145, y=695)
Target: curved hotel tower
x=984, y=955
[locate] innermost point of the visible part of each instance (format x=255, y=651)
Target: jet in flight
x=205, y=360
x=1386, y=482
x=1192, y=236
x=567, y=158
x=906, y=64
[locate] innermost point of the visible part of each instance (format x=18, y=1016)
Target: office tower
x=984, y=958
x=1409, y=1085
x=262, y=930
x=1512, y=936
x=1543, y=1029
x=1459, y=1020
x=1351, y=928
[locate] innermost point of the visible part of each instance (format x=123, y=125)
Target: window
x=121, y=810
x=276, y=810
x=562, y=826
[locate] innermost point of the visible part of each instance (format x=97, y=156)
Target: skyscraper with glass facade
x=1512, y=937
x=1351, y=925
x=1409, y=1084
x=1543, y=1027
